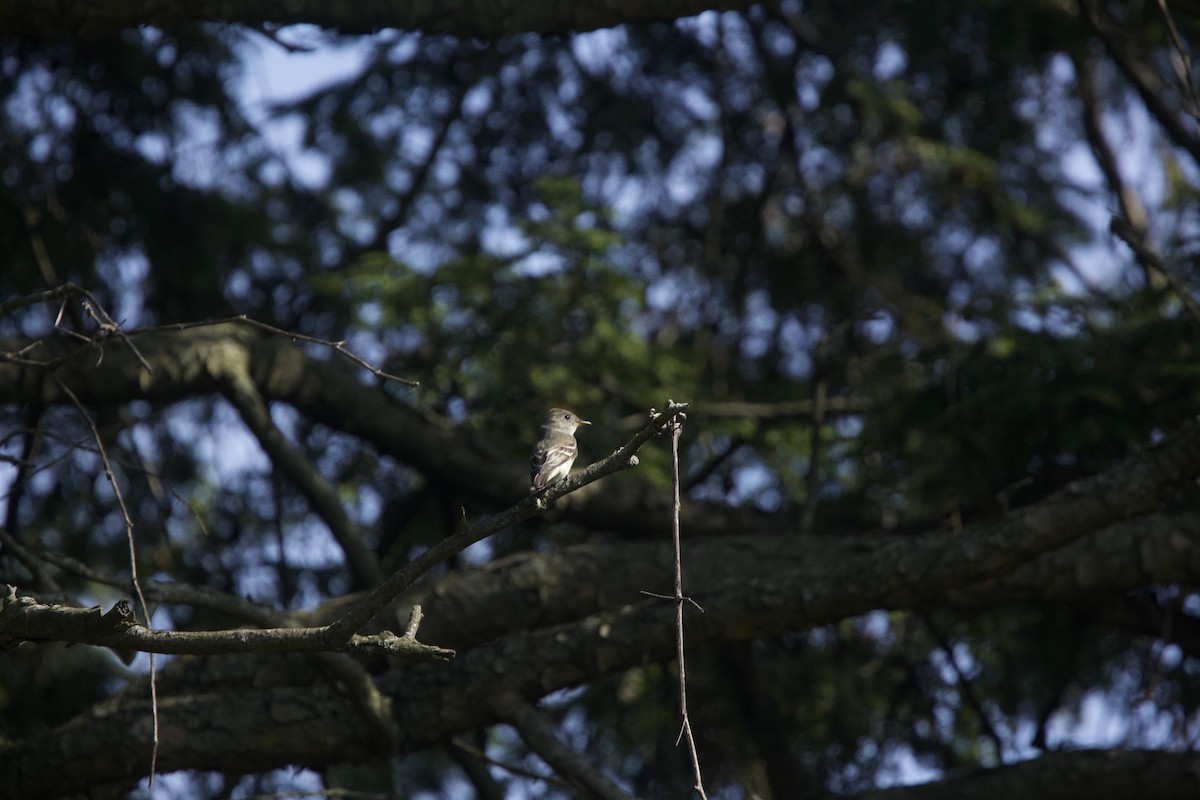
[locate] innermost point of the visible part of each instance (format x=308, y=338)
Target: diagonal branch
x=1153, y=263
x=539, y=734
x=964, y=685
x=26, y=619
x=1145, y=80
x=1132, y=226
x=1184, y=65
x=245, y=397
x=623, y=458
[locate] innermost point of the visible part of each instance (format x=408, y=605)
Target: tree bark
x=85, y=18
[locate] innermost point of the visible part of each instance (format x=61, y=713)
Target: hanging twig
x=137, y=586
x=685, y=732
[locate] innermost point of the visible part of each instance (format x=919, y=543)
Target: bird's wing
x=547, y=462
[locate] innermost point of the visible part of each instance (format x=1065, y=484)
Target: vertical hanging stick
x=686, y=731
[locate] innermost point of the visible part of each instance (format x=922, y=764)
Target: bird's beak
x=584, y=422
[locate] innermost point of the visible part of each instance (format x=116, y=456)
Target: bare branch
x=245, y=397
x=337, y=347
x=1145, y=80
x=25, y=619
x=1154, y=264
x=623, y=458
x=1132, y=226
x=137, y=588
x=685, y=732
x=539, y=734
x=470, y=751
x=462, y=19
x=1184, y=66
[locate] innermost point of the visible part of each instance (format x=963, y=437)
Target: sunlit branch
x=338, y=347
x=25, y=619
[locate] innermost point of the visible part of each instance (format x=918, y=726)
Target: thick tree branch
x=24, y=619
x=195, y=360
x=843, y=577
x=474, y=605
x=85, y=18
x=1111, y=774
x=434, y=702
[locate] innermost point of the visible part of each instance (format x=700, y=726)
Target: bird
x=556, y=450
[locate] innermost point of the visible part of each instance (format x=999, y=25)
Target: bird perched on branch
x=556, y=450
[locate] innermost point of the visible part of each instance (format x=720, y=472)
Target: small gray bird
x=556, y=449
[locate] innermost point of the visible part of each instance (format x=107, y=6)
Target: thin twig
x=57, y=293
x=107, y=327
x=137, y=586
x=105, y=324
x=685, y=732
x=338, y=347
